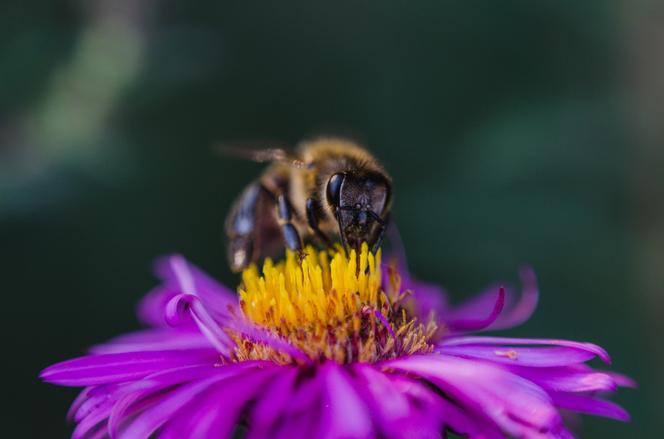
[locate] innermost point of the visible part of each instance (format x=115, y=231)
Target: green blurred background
x=516, y=131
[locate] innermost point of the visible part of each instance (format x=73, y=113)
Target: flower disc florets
x=330, y=306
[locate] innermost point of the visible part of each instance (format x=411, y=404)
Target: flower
x=335, y=347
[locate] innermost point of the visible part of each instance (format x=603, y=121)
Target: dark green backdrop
x=516, y=131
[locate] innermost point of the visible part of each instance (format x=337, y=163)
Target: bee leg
x=313, y=210
x=379, y=238
x=242, y=226
x=342, y=237
x=285, y=217
x=381, y=233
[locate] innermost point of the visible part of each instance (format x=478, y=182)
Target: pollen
x=330, y=305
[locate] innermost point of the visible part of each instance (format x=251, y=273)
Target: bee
x=327, y=187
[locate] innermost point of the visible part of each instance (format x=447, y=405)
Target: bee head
x=360, y=202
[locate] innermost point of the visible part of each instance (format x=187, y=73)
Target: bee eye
x=334, y=189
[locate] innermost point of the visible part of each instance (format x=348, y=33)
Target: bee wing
x=394, y=245
x=264, y=155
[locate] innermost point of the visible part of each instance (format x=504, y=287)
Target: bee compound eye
x=334, y=189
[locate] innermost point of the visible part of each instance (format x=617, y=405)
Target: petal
x=299, y=426
x=518, y=406
x=176, y=270
x=154, y=340
x=96, y=398
x=384, y=397
x=215, y=413
x=152, y=307
x=155, y=416
x=137, y=394
x=182, y=277
x=402, y=408
x=567, y=379
x=110, y=368
x=272, y=403
x=427, y=298
x=344, y=413
x=302, y=416
x=515, y=312
x=524, y=356
x=162, y=407
x=185, y=306
x=525, y=307
x=467, y=423
x=622, y=380
x=88, y=426
x=587, y=347
x=475, y=324
x=589, y=405
x=80, y=399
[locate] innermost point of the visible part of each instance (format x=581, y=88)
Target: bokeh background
x=516, y=131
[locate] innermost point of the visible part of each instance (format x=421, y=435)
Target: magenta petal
x=427, y=298
x=517, y=405
x=202, y=418
x=161, y=407
x=176, y=270
x=298, y=426
x=467, y=423
x=80, y=399
x=391, y=408
x=151, y=308
x=159, y=339
x=386, y=400
x=191, y=306
x=525, y=307
x=589, y=405
x=120, y=409
x=475, y=324
x=272, y=403
x=110, y=368
x=479, y=341
x=524, y=356
x=182, y=277
x=153, y=384
x=344, y=413
x=567, y=379
x=93, y=421
x=214, y=413
x=301, y=416
x=98, y=433
x=622, y=380
x=308, y=394
x=514, y=314
x=155, y=416
x=96, y=398
x=401, y=407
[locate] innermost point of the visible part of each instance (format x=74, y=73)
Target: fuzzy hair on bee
x=326, y=188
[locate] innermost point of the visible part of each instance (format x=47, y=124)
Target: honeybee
x=327, y=186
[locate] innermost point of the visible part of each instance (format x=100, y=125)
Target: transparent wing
x=260, y=155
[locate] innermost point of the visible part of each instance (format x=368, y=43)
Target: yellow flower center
x=330, y=306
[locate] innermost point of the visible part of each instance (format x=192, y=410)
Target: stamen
x=511, y=354
x=328, y=305
x=383, y=320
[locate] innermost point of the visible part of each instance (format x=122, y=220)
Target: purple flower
x=328, y=347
